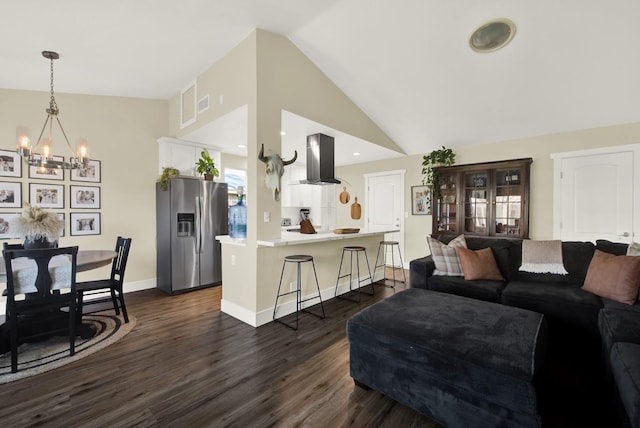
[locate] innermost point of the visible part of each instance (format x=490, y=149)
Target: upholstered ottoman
x=460, y=361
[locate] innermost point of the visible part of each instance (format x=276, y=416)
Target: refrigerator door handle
x=198, y=225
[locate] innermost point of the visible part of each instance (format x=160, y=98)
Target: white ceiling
x=573, y=64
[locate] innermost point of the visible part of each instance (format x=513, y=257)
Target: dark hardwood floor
x=188, y=364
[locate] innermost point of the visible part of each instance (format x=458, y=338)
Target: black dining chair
x=113, y=284
x=36, y=295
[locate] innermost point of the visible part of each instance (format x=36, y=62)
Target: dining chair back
x=40, y=282
x=114, y=284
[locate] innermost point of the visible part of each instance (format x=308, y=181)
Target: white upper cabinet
x=182, y=155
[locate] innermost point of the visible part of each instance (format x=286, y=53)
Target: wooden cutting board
x=344, y=196
x=356, y=209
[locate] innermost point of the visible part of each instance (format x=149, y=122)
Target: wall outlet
x=292, y=286
x=266, y=216
x=233, y=259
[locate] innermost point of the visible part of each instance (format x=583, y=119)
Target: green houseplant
x=167, y=173
x=206, y=165
x=39, y=227
x=439, y=157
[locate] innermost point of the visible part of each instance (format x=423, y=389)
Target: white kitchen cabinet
x=182, y=155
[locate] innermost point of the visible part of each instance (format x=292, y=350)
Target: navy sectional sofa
x=571, y=312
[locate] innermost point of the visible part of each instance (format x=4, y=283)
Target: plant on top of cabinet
x=167, y=173
x=206, y=165
x=439, y=157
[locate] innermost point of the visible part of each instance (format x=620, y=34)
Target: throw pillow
x=633, y=249
x=445, y=256
x=480, y=264
x=613, y=277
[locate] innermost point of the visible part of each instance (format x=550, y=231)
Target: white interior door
x=384, y=206
x=596, y=197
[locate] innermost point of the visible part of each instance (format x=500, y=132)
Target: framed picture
x=10, y=164
x=61, y=217
x=420, y=200
x=85, y=224
x=7, y=224
x=85, y=197
x=10, y=194
x=90, y=172
x=47, y=173
x=46, y=195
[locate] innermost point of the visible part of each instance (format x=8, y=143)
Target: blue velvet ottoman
x=460, y=361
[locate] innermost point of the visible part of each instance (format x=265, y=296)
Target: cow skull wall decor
x=274, y=170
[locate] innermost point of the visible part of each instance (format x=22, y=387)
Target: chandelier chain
x=52, y=104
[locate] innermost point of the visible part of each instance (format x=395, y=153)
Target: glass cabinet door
x=508, y=201
x=446, y=209
x=476, y=201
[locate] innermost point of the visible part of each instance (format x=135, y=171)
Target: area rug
x=39, y=357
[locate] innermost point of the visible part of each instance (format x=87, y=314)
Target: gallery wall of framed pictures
x=47, y=188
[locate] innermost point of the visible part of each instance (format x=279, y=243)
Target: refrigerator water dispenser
x=186, y=223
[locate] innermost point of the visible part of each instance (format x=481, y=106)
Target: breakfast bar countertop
x=293, y=238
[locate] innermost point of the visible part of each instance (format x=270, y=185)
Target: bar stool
x=354, y=251
x=392, y=244
x=298, y=259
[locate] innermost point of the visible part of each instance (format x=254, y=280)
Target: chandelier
x=41, y=155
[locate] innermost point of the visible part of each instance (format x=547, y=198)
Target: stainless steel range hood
x=320, y=160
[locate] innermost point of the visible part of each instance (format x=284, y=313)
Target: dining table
x=85, y=260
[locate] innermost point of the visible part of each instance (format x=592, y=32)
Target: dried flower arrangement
x=36, y=224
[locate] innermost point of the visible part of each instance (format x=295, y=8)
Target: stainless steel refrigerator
x=189, y=214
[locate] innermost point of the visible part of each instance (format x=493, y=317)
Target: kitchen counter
x=293, y=238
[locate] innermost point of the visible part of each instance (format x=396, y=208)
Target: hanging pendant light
x=41, y=155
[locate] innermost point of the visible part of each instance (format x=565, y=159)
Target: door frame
x=401, y=173
x=557, y=177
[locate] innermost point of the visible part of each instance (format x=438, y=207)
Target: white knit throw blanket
x=542, y=257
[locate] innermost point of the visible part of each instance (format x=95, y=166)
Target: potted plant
x=41, y=228
x=207, y=166
x=439, y=157
x=167, y=173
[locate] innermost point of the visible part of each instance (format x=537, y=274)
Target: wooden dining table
x=85, y=260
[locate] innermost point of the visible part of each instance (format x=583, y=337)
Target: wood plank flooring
x=187, y=364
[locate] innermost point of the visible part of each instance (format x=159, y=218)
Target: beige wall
x=539, y=148
x=122, y=134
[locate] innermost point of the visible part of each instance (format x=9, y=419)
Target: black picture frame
x=92, y=172
x=85, y=223
x=84, y=197
x=48, y=173
x=10, y=164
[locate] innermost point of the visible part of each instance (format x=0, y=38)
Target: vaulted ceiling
x=573, y=64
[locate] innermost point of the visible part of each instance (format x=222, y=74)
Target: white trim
x=265, y=316
x=557, y=176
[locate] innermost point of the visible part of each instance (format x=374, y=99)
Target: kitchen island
x=253, y=303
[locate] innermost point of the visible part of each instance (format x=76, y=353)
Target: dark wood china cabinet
x=485, y=199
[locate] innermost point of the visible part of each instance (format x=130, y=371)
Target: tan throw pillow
x=633, y=249
x=480, y=264
x=614, y=277
x=445, y=256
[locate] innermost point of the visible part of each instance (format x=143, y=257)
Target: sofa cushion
x=445, y=256
x=487, y=290
x=618, y=326
x=479, y=264
x=612, y=304
x=558, y=301
x=625, y=366
x=575, y=255
x=617, y=248
x=614, y=277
